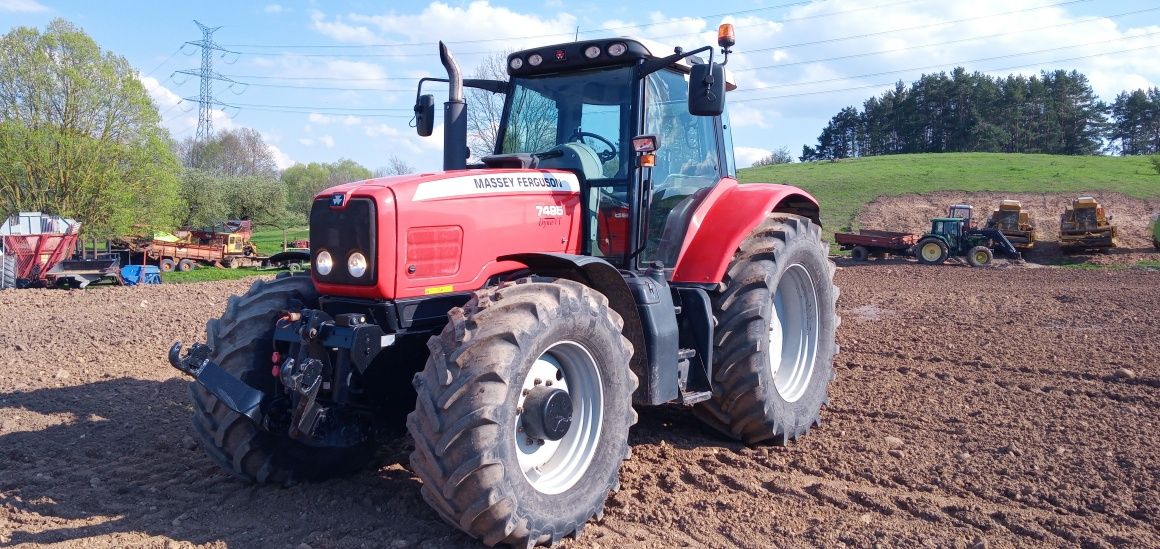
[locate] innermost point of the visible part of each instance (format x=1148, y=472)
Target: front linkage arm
x=231, y=391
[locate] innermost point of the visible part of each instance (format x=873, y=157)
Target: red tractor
x=510, y=314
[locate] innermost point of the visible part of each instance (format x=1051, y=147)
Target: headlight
x=592, y=52
x=516, y=63
x=617, y=49
x=535, y=60
x=356, y=265
x=323, y=263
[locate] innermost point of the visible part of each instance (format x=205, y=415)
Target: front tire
x=775, y=339
x=980, y=256
x=242, y=343
x=483, y=468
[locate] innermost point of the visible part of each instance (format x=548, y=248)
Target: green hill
x=843, y=187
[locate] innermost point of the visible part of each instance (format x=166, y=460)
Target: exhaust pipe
x=454, y=115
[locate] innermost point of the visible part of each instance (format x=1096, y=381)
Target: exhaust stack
x=454, y=115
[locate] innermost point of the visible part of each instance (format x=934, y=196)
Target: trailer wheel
x=242, y=342
x=980, y=256
x=523, y=412
x=931, y=251
x=186, y=265
x=167, y=265
x=859, y=253
x=774, y=349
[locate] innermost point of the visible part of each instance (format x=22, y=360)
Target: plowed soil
x=1130, y=216
x=1015, y=407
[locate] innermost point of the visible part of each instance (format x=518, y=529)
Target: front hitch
x=231, y=391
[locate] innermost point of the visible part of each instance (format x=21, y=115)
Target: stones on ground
x=188, y=443
x=63, y=374
x=897, y=453
x=1125, y=373
x=893, y=442
x=1012, y=449
x=19, y=347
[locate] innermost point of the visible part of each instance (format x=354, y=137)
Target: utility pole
x=205, y=100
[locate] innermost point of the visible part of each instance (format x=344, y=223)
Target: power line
x=933, y=44
x=207, y=75
x=881, y=85
x=167, y=59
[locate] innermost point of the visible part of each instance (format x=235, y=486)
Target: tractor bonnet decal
x=498, y=183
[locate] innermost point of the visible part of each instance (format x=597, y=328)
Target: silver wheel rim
x=793, y=333
x=554, y=466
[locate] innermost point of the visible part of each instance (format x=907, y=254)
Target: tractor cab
x=964, y=212
x=949, y=228
x=646, y=134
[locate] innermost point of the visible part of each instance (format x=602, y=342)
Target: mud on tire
x=242, y=342
x=767, y=291
x=467, y=447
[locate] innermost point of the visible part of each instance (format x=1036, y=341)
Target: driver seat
x=576, y=157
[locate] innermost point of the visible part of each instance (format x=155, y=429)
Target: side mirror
x=706, y=89
x=425, y=115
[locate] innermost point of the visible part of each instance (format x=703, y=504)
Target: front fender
x=726, y=217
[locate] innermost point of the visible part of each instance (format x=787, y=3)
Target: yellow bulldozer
x=1015, y=223
x=1083, y=225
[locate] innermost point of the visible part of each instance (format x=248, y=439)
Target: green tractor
x=956, y=236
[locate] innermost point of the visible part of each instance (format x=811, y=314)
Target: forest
x=1055, y=112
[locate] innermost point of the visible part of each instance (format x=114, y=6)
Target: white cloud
x=281, y=159
x=274, y=8
x=746, y=156
x=327, y=141
x=22, y=6
x=319, y=118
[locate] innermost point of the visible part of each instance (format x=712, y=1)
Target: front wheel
x=775, y=339
x=980, y=256
x=523, y=411
x=932, y=251
x=860, y=253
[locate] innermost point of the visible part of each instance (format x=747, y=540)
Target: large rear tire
x=980, y=256
x=486, y=465
x=931, y=251
x=775, y=338
x=242, y=343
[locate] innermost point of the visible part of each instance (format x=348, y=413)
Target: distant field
x=270, y=242
x=843, y=187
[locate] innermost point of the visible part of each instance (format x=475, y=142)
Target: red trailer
x=38, y=242
x=868, y=243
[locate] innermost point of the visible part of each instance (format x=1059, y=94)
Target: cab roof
x=574, y=56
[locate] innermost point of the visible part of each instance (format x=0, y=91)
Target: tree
x=780, y=156
x=485, y=108
x=303, y=181
x=230, y=152
x=78, y=134
x=395, y=166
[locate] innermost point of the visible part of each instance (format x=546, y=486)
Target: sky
x=328, y=80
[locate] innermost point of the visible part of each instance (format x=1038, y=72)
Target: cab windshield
x=588, y=113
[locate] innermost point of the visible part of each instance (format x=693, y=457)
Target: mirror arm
x=655, y=65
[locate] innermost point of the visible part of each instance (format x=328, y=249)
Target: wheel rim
x=931, y=251
x=980, y=257
x=554, y=466
x=793, y=333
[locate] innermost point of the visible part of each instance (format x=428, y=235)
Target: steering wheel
x=605, y=156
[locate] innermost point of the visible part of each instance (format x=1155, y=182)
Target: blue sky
x=326, y=80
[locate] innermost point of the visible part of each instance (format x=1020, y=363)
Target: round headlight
x=356, y=265
x=535, y=59
x=323, y=263
x=516, y=63
x=592, y=52
x=617, y=49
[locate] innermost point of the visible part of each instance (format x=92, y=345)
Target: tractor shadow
x=116, y=459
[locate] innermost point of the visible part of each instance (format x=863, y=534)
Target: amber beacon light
x=725, y=36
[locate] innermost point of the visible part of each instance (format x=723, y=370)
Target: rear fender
x=728, y=214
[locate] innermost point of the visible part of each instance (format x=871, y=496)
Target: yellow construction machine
x=1083, y=225
x=1015, y=223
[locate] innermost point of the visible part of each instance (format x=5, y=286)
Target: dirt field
x=913, y=212
x=1036, y=427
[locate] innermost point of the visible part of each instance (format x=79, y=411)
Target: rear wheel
x=523, y=412
x=774, y=348
x=931, y=251
x=242, y=343
x=980, y=256
x=186, y=265
x=859, y=253
x=167, y=265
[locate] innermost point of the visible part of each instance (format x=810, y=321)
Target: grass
x=843, y=187
x=270, y=242
x=210, y=274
